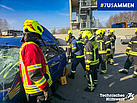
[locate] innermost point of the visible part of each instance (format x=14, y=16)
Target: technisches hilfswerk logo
x=117, y=97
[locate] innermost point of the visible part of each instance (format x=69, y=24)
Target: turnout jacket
x=91, y=52
x=33, y=67
x=112, y=39
x=132, y=46
x=77, y=48
x=103, y=45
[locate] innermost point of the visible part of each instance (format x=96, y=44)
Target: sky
x=49, y=13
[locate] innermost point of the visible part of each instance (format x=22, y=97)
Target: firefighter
x=131, y=51
x=91, y=60
x=34, y=68
x=78, y=51
x=112, y=39
x=68, y=44
x=104, y=51
x=68, y=48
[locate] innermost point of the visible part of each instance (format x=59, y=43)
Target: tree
x=130, y=16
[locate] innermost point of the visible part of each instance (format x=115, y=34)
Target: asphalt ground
x=111, y=86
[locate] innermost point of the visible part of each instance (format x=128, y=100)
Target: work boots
x=124, y=71
x=72, y=76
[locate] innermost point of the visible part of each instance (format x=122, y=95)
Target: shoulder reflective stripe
x=78, y=42
x=128, y=47
x=41, y=81
x=134, y=41
x=80, y=56
x=74, y=48
x=34, y=67
x=107, y=42
x=133, y=53
x=102, y=52
x=89, y=53
x=73, y=71
x=130, y=43
x=26, y=44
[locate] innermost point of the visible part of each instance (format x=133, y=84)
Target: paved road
x=108, y=84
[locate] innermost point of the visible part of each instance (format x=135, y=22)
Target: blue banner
x=127, y=5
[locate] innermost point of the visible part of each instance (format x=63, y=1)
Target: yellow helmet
x=135, y=31
x=99, y=32
x=103, y=31
x=70, y=32
x=86, y=35
x=111, y=31
x=81, y=32
x=32, y=26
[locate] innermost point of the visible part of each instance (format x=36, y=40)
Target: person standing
x=112, y=39
x=78, y=52
x=34, y=68
x=131, y=51
x=104, y=50
x=91, y=60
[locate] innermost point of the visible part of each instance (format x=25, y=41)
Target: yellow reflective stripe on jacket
x=78, y=42
x=128, y=47
x=48, y=72
x=80, y=56
x=133, y=53
x=100, y=41
x=41, y=81
x=130, y=43
x=134, y=41
x=24, y=73
x=102, y=52
x=33, y=91
x=34, y=67
x=92, y=62
x=107, y=42
x=90, y=53
x=74, y=48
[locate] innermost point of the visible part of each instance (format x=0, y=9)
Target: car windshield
x=9, y=63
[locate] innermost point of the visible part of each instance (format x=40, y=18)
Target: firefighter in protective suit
x=131, y=51
x=91, y=60
x=78, y=51
x=68, y=48
x=112, y=39
x=104, y=50
x=34, y=68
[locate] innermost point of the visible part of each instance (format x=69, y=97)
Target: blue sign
x=127, y=5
